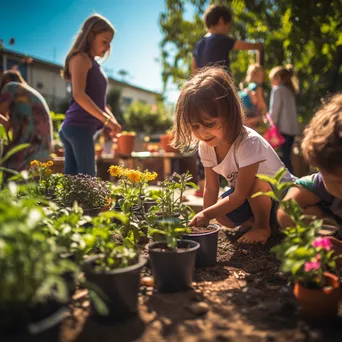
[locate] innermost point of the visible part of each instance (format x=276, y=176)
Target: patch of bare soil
x=243, y=298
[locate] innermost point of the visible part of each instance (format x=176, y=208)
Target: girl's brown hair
x=209, y=93
x=287, y=77
x=11, y=76
x=322, y=143
x=94, y=25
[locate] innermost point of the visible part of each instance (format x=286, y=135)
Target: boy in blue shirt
x=215, y=46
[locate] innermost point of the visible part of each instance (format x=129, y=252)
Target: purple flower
x=312, y=265
x=322, y=242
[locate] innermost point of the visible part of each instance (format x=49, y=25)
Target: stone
x=198, y=309
x=147, y=281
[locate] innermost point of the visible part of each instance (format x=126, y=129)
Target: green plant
x=302, y=254
x=31, y=268
x=89, y=192
x=170, y=198
x=170, y=229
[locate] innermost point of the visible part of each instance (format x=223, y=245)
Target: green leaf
x=13, y=151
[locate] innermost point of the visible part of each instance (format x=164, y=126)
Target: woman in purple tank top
x=87, y=112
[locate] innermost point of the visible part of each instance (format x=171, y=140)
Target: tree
x=113, y=100
x=306, y=34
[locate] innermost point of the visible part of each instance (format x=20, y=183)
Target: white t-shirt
x=251, y=149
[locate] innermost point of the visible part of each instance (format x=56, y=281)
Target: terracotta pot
x=125, y=143
x=165, y=141
x=319, y=303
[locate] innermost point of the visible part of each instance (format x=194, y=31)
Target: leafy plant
x=170, y=198
x=31, y=267
x=171, y=230
x=89, y=192
x=303, y=255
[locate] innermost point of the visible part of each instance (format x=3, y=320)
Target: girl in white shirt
x=209, y=113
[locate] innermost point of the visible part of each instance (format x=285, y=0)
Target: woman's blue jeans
x=79, y=150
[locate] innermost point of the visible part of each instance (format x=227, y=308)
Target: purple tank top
x=96, y=89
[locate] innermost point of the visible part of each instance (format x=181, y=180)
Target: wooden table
x=185, y=161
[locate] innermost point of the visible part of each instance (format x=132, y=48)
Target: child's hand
x=199, y=220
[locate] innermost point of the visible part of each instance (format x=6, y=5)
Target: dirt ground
x=243, y=298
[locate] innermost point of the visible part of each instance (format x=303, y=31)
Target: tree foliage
x=305, y=33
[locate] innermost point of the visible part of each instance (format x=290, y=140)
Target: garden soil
x=243, y=298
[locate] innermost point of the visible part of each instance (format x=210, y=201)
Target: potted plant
x=131, y=194
x=33, y=292
x=165, y=142
x=172, y=261
x=113, y=274
x=309, y=259
x=125, y=142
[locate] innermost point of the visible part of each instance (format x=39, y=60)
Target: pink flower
x=312, y=265
x=322, y=242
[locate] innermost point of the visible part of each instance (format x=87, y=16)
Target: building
x=46, y=78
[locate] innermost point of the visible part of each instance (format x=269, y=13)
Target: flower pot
x=173, y=269
x=165, y=141
x=120, y=287
x=319, y=303
x=206, y=254
x=44, y=324
x=125, y=143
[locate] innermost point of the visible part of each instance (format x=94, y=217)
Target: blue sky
x=45, y=29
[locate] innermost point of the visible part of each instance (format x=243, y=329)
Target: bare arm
x=4, y=108
x=244, y=183
x=79, y=67
x=260, y=101
x=193, y=65
x=242, y=45
x=211, y=187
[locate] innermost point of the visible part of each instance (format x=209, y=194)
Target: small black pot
x=206, y=254
x=46, y=328
x=173, y=269
x=120, y=286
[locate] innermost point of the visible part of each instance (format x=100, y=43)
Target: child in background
x=320, y=194
x=215, y=46
x=252, y=97
x=283, y=109
x=87, y=113
x=209, y=112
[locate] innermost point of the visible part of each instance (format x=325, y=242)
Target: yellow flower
x=150, y=176
x=49, y=163
x=48, y=172
x=34, y=163
x=115, y=171
x=134, y=176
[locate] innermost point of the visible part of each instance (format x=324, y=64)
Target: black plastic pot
x=173, y=269
x=46, y=328
x=120, y=286
x=206, y=254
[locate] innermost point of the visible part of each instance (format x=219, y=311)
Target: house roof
x=59, y=67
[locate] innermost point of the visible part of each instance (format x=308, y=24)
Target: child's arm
x=275, y=105
x=193, y=65
x=242, y=45
x=244, y=183
x=211, y=187
x=261, y=104
x=304, y=199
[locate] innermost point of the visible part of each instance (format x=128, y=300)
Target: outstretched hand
x=199, y=220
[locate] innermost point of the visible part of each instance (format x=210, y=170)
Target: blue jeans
x=286, y=150
x=79, y=150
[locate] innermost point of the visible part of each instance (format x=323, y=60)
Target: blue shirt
x=213, y=49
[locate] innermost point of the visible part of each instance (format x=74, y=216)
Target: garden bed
x=242, y=298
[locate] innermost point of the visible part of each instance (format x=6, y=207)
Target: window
x=126, y=101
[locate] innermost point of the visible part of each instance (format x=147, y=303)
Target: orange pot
x=125, y=143
x=319, y=303
x=165, y=141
